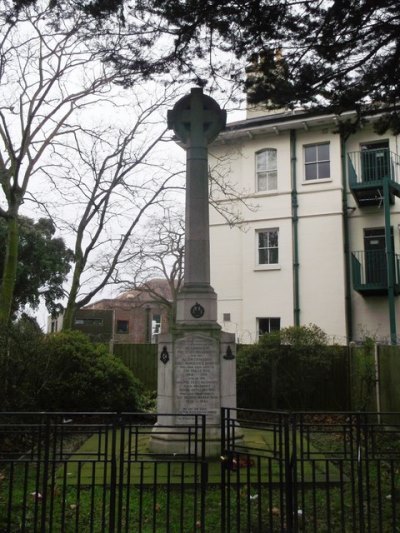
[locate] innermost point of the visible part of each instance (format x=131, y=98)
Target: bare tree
x=159, y=257
x=114, y=183
x=160, y=253
x=48, y=76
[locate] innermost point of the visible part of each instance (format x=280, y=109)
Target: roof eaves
x=274, y=122
x=277, y=123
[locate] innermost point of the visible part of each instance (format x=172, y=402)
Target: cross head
x=196, y=119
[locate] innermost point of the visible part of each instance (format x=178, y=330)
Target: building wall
x=97, y=324
x=122, y=321
x=248, y=291
x=134, y=323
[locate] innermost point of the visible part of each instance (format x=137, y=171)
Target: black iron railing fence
x=97, y=472
x=280, y=471
x=313, y=472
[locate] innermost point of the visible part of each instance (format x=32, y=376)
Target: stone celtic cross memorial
x=197, y=366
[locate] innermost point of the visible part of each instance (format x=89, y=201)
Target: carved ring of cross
x=196, y=119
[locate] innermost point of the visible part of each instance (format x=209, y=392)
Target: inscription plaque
x=197, y=387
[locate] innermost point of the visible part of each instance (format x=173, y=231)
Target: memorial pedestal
x=196, y=375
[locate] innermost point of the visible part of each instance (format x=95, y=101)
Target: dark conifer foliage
x=43, y=265
x=340, y=53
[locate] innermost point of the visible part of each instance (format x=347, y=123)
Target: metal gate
x=94, y=472
x=97, y=473
x=310, y=472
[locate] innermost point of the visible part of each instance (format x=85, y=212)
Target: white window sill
x=267, y=267
x=314, y=182
x=267, y=193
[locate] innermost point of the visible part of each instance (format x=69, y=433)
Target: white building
x=317, y=213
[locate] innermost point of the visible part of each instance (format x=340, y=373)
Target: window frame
x=269, y=264
x=118, y=331
x=317, y=162
x=269, y=318
x=83, y=321
x=267, y=171
x=156, y=324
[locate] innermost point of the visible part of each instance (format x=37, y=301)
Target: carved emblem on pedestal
x=197, y=311
x=164, y=357
x=229, y=354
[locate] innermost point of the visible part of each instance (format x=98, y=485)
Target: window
x=122, y=326
x=268, y=247
x=226, y=317
x=266, y=325
x=317, y=163
x=88, y=321
x=156, y=324
x=266, y=172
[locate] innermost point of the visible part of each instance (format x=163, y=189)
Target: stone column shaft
x=197, y=240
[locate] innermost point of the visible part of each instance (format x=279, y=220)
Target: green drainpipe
x=346, y=243
x=389, y=261
x=295, y=224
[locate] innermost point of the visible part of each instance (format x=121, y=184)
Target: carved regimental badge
x=164, y=357
x=197, y=311
x=229, y=354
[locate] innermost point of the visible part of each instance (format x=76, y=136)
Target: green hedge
x=345, y=380
x=293, y=369
x=363, y=377
x=389, y=370
x=141, y=359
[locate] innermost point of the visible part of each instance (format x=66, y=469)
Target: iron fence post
x=359, y=475
x=297, y=430
x=223, y=473
x=46, y=457
x=288, y=473
x=204, y=475
x=121, y=427
x=113, y=476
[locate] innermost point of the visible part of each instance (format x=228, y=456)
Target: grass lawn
x=139, y=465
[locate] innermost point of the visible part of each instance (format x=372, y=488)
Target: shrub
x=65, y=371
x=83, y=376
x=286, y=369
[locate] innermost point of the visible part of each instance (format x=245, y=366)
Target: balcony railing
x=370, y=167
x=370, y=272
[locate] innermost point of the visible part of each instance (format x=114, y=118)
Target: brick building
x=134, y=317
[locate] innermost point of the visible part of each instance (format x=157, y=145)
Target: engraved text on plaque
x=197, y=389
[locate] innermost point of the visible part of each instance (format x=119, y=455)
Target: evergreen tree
x=339, y=53
x=43, y=263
